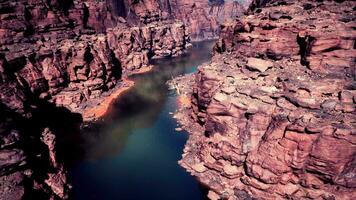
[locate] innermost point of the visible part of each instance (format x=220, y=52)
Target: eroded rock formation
x=56, y=58
x=273, y=114
x=203, y=18
x=73, y=52
x=29, y=164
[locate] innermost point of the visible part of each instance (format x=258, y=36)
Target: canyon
x=273, y=115
x=59, y=60
x=70, y=52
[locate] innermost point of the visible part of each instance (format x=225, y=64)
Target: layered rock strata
x=203, y=17
x=60, y=57
x=66, y=53
x=273, y=115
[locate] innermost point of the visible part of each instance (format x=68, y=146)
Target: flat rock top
x=278, y=105
x=259, y=64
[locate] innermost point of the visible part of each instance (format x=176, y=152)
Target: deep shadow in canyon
x=135, y=146
x=33, y=155
x=271, y=116
x=57, y=58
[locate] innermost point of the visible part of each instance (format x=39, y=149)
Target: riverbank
x=133, y=152
x=98, y=111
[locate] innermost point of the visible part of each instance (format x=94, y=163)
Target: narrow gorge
x=86, y=111
x=62, y=63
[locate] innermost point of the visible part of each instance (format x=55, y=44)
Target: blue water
x=132, y=153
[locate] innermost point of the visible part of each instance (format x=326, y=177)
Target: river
x=132, y=153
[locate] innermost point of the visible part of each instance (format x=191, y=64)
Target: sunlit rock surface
x=273, y=114
x=59, y=57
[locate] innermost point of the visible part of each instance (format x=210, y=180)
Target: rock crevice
x=273, y=115
x=66, y=55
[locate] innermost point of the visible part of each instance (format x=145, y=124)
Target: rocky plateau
x=273, y=115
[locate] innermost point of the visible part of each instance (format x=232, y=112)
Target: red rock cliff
x=72, y=51
x=273, y=114
x=203, y=17
x=55, y=56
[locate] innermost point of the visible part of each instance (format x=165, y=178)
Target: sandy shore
x=100, y=110
x=96, y=112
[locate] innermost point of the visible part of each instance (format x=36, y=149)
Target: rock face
x=203, y=17
x=71, y=52
x=55, y=57
x=135, y=46
x=29, y=165
x=61, y=56
x=273, y=114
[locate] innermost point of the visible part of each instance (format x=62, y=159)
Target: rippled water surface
x=133, y=152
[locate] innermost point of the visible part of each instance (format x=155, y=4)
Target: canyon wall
x=55, y=58
x=73, y=52
x=60, y=57
x=202, y=18
x=273, y=115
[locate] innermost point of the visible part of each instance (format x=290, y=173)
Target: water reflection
x=136, y=148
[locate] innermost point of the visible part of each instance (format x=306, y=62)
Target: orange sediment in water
x=101, y=109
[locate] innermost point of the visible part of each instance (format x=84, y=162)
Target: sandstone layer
x=201, y=17
x=58, y=58
x=273, y=115
x=72, y=53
